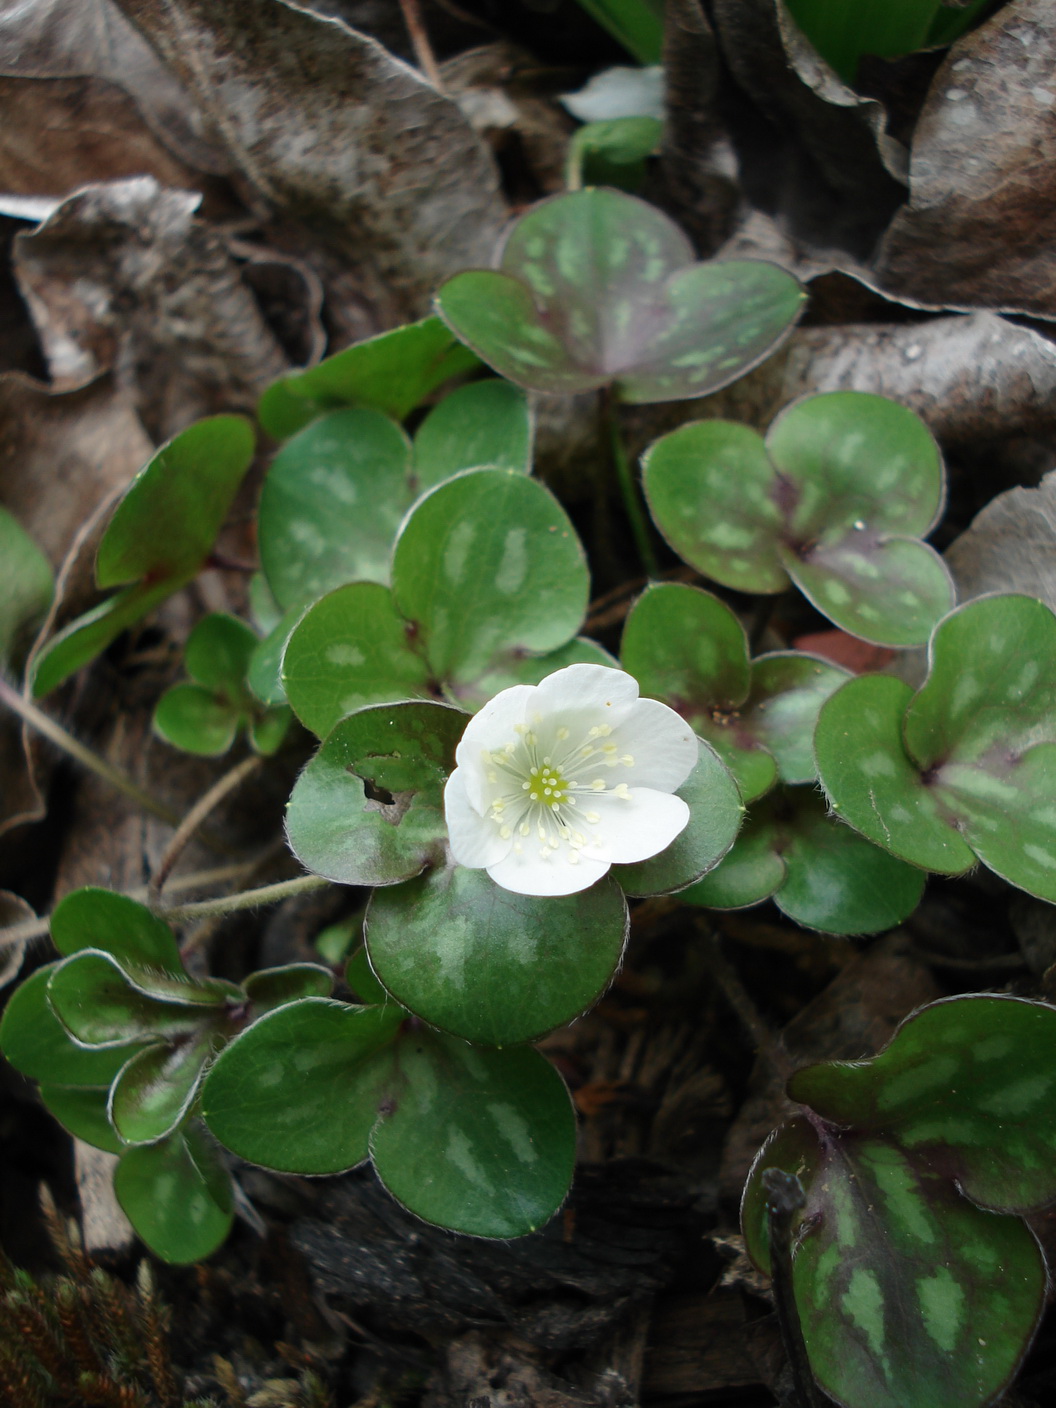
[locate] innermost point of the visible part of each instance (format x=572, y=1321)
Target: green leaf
x=351, y=649
x=332, y=501
x=95, y=1000
x=965, y=1085
x=787, y=692
x=874, y=785
x=836, y=499
x=514, y=667
x=82, y=640
x=360, y=976
x=218, y=653
x=687, y=647
x=195, y=720
x=26, y=589
x=908, y=1295
x=612, y=152
x=299, y=1090
x=598, y=288
x=482, y=1142
x=637, y=24
x=159, y=536
x=274, y=987
x=488, y=563
x=268, y=730
x=715, y=814
x=490, y=965
x=368, y=808
x=83, y=1112
x=968, y=764
x=177, y=1195
x=843, y=30
x=100, y=919
x=37, y=1044
x=819, y=872
x=390, y=373
x=171, y=513
x=487, y=423
x=155, y=1089
x=264, y=676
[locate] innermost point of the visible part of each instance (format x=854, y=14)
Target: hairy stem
x=48, y=728
x=194, y=818
x=197, y=880
x=246, y=899
x=632, y=502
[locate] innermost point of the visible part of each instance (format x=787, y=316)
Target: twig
x=194, y=818
x=423, y=50
x=784, y=1198
x=36, y=718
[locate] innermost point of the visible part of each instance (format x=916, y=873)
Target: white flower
x=556, y=782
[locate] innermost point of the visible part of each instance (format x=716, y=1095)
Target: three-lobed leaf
x=818, y=871
x=597, y=288
x=966, y=767
x=477, y=1140
x=836, y=499
x=909, y=1294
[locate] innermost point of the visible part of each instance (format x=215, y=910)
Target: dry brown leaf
x=971, y=378
x=334, y=132
x=1010, y=546
x=92, y=39
x=814, y=116
x=698, y=163
x=61, y=455
x=977, y=232
x=122, y=275
x=60, y=133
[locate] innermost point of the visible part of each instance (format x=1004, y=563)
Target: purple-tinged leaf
x=598, y=288
x=836, y=499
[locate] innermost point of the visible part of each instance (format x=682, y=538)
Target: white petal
x=529, y=874
x=663, y=746
x=475, y=840
x=491, y=729
x=581, y=696
x=636, y=829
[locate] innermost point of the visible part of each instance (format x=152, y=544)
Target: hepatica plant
x=498, y=788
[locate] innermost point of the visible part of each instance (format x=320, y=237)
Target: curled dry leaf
x=333, y=131
x=816, y=116
x=977, y=230
x=61, y=455
x=122, y=275
x=698, y=163
x=1010, y=546
x=92, y=39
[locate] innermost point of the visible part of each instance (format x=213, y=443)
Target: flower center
x=536, y=797
x=546, y=786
